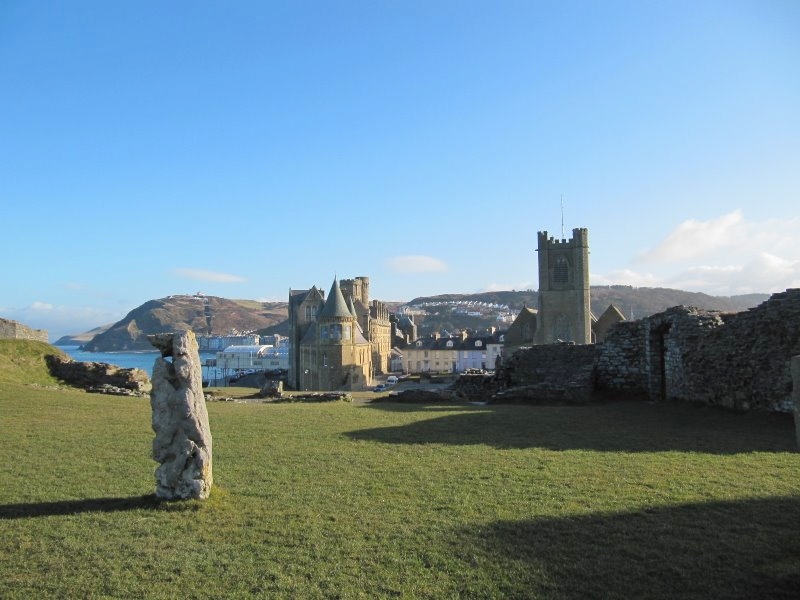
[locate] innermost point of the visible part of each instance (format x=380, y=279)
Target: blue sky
x=244, y=148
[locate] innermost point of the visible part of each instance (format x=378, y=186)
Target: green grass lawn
x=352, y=500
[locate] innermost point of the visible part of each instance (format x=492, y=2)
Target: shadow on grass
x=616, y=426
x=743, y=549
x=74, y=507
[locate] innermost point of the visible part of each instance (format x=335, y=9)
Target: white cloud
x=764, y=273
x=692, y=239
x=625, y=277
x=416, y=264
x=727, y=255
x=41, y=306
x=210, y=276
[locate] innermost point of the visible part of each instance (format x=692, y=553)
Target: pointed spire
x=352, y=307
x=335, y=305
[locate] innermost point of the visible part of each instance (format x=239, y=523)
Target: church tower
x=564, y=302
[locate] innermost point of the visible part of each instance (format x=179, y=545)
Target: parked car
x=379, y=388
x=391, y=380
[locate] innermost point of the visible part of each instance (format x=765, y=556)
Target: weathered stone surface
x=99, y=377
x=182, y=444
x=796, y=396
x=548, y=373
x=738, y=361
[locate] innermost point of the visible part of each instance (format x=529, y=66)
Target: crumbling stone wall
x=747, y=363
x=12, y=330
x=549, y=373
x=739, y=361
x=99, y=377
x=621, y=364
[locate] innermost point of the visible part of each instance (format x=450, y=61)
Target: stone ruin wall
x=12, y=330
x=560, y=372
x=740, y=361
x=621, y=364
x=544, y=373
x=747, y=363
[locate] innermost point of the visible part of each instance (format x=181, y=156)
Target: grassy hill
x=22, y=362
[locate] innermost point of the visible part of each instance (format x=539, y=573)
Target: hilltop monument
x=564, y=313
x=182, y=444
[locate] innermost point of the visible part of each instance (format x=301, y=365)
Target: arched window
x=561, y=270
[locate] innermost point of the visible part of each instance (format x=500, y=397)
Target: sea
x=136, y=360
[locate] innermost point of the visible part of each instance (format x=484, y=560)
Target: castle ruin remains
x=13, y=330
x=739, y=361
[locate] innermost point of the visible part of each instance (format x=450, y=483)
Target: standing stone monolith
x=796, y=396
x=180, y=420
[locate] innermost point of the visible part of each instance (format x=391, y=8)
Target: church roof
x=297, y=297
x=335, y=305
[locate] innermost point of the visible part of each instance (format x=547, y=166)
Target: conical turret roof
x=352, y=307
x=336, y=305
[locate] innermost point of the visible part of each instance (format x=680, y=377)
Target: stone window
x=561, y=270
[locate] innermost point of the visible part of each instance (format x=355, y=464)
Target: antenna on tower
x=562, y=217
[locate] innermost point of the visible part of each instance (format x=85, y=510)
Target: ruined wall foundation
x=740, y=361
x=12, y=330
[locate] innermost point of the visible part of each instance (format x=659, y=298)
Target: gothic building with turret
x=338, y=343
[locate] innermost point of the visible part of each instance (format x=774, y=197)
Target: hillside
x=22, y=362
x=219, y=316
x=79, y=339
x=460, y=311
x=205, y=315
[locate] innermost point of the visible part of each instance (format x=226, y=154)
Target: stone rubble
x=99, y=377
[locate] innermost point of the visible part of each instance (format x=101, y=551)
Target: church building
x=564, y=303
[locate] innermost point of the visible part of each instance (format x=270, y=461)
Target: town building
x=338, y=343
x=217, y=343
x=253, y=358
x=453, y=354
